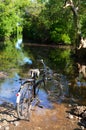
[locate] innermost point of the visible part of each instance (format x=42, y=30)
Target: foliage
x=8, y=19
x=13, y=57
x=66, y=38
x=60, y=57
x=9, y=57
x=61, y=60
x=41, y=20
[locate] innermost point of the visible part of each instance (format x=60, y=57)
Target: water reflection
x=8, y=90
x=77, y=85
x=13, y=58
x=77, y=94
x=24, y=58
x=82, y=69
x=68, y=74
x=19, y=43
x=10, y=86
x=62, y=62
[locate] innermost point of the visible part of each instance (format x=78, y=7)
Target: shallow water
x=9, y=88
x=69, y=81
x=57, y=88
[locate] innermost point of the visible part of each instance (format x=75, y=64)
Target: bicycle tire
x=24, y=99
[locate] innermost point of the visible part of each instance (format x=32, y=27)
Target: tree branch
x=68, y=3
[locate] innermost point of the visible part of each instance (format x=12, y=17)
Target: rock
x=16, y=123
x=80, y=112
x=6, y=128
x=70, y=105
x=70, y=116
x=82, y=128
x=5, y=123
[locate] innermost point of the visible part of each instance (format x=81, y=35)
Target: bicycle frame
x=31, y=83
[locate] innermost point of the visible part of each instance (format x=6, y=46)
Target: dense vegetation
x=43, y=21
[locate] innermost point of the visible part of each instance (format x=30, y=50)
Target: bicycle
x=28, y=91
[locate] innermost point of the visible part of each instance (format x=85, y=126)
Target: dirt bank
x=41, y=119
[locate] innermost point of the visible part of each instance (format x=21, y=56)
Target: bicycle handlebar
x=44, y=66
x=36, y=72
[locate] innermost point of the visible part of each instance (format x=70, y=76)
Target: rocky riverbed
x=60, y=117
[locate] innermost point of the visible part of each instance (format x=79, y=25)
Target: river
x=68, y=72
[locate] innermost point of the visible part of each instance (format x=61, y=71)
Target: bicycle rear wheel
x=24, y=99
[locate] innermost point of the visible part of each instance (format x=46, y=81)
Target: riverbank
x=48, y=45
x=57, y=118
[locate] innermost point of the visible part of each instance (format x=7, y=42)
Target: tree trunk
x=77, y=28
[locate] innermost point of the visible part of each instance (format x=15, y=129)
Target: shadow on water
x=68, y=84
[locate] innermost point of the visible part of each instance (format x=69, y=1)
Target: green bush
x=66, y=39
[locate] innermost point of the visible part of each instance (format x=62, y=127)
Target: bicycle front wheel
x=24, y=99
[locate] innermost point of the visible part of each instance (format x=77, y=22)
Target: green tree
x=8, y=19
x=77, y=7
x=43, y=20
x=11, y=15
